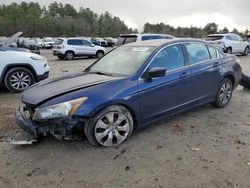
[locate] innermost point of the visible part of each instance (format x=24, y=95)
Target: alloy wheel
x=69, y=56
x=20, y=80
x=112, y=129
x=225, y=93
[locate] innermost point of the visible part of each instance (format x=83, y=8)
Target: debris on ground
x=196, y=149
x=178, y=128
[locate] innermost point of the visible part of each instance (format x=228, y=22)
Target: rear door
x=164, y=95
x=205, y=65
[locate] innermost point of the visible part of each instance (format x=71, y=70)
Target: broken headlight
x=59, y=110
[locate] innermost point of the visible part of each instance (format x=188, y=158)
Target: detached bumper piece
x=23, y=138
x=60, y=128
x=245, y=81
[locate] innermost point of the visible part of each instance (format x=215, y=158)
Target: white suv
x=229, y=43
x=19, y=70
x=68, y=48
x=128, y=38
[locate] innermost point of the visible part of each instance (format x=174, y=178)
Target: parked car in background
x=47, y=43
x=19, y=70
x=69, y=48
x=128, y=38
x=9, y=44
x=229, y=43
x=3, y=40
x=130, y=87
x=38, y=42
x=31, y=45
x=99, y=42
x=110, y=41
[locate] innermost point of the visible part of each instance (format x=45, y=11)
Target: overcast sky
x=135, y=13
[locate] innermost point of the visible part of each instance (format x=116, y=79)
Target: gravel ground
x=205, y=147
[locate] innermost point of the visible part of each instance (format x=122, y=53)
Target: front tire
x=246, y=52
x=18, y=79
x=229, y=50
x=110, y=127
x=99, y=54
x=224, y=93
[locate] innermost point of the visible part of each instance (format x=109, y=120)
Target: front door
x=161, y=96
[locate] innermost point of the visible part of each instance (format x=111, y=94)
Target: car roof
x=144, y=34
x=159, y=42
x=220, y=34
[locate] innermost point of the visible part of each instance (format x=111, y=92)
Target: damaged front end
x=69, y=128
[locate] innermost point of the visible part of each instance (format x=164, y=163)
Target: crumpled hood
x=46, y=90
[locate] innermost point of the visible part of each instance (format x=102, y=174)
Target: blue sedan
x=130, y=87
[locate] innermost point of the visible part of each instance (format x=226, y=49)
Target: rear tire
x=224, y=93
x=69, y=55
x=110, y=127
x=18, y=79
x=60, y=57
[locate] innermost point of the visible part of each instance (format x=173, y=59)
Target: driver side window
x=170, y=58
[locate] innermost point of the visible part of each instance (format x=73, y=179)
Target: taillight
x=60, y=47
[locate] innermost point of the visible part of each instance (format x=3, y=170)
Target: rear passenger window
x=213, y=52
x=75, y=42
x=197, y=52
x=170, y=58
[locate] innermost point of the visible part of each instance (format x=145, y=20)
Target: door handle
x=216, y=64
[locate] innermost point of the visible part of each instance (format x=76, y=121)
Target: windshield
x=123, y=61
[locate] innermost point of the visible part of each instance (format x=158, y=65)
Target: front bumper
x=25, y=123
x=43, y=76
x=59, y=127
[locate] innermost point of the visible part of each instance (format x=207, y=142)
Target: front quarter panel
x=120, y=92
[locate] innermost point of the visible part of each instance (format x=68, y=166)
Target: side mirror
x=92, y=45
x=155, y=72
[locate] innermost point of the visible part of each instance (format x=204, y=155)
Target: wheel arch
x=70, y=51
x=231, y=77
x=130, y=109
x=100, y=50
x=22, y=65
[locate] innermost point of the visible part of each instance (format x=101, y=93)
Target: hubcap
x=70, y=56
x=99, y=55
x=225, y=93
x=112, y=129
x=20, y=80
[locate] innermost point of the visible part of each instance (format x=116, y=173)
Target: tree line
x=63, y=20
x=194, y=32
x=58, y=20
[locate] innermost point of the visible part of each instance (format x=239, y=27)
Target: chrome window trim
x=186, y=66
